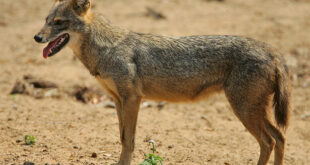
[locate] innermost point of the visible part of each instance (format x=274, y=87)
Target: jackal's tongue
x=48, y=49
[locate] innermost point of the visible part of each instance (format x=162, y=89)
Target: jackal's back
x=188, y=66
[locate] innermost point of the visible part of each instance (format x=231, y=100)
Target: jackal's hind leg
x=251, y=106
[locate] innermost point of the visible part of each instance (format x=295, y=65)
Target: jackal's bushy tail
x=281, y=100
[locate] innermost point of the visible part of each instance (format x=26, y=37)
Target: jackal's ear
x=81, y=6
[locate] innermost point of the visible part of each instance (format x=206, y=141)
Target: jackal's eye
x=58, y=22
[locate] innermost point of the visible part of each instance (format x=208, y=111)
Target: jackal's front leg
x=127, y=111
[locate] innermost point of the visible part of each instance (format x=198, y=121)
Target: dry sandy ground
x=68, y=131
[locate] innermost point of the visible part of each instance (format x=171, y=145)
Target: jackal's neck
x=96, y=38
x=98, y=32
x=103, y=33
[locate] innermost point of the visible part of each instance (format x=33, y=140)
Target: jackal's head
x=66, y=18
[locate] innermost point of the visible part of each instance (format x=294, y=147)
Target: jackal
x=133, y=66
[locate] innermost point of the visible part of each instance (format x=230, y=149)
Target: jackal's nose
x=38, y=38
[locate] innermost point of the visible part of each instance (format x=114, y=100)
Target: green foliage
x=30, y=140
x=152, y=159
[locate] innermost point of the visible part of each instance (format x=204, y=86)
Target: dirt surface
x=69, y=131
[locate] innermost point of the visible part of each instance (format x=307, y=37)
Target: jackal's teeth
x=62, y=40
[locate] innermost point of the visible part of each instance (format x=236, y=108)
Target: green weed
x=30, y=140
x=152, y=159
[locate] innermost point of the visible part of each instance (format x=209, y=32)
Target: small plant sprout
x=30, y=140
x=152, y=159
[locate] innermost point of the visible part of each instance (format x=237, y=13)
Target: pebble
x=108, y=155
x=94, y=155
x=15, y=107
x=146, y=105
x=28, y=163
x=161, y=105
x=51, y=93
x=106, y=104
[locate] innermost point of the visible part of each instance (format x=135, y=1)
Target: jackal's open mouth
x=55, y=46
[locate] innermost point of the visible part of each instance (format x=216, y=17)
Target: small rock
x=28, y=163
x=161, y=105
x=109, y=105
x=107, y=155
x=15, y=107
x=52, y=93
x=42, y=84
x=38, y=94
x=28, y=77
x=146, y=105
x=19, y=88
x=94, y=100
x=37, y=83
x=94, y=155
x=87, y=95
x=154, y=14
